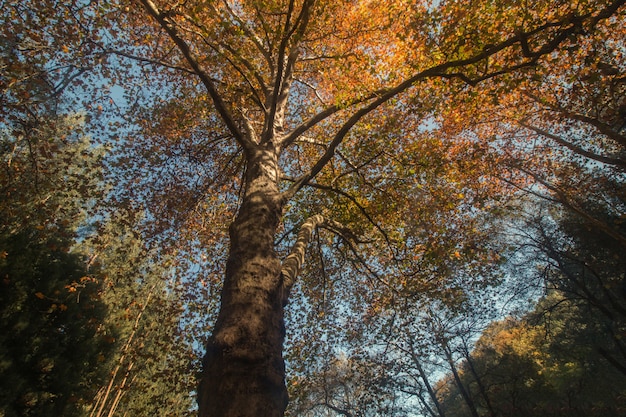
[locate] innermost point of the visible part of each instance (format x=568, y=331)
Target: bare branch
x=577, y=149
x=313, y=88
x=349, y=238
x=602, y=127
x=152, y=61
x=566, y=201
x=362, y=209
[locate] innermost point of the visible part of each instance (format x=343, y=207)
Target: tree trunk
x=481, y=387
x=244, y=371
x=459, y=383
x=429, y=388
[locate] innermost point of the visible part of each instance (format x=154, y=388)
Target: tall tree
x=294, y=92
x=299, y=111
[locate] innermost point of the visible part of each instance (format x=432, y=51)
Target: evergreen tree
x=51, y=311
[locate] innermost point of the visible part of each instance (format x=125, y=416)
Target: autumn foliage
x=345, y=185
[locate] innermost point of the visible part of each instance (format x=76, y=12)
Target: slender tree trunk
x=243, y=368
x=459, y=383
x=479, y=382
x=429, y=389
x=103, y=395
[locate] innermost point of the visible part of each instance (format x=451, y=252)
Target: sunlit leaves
x=560, y=125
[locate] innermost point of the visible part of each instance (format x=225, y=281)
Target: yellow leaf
x=40, y=295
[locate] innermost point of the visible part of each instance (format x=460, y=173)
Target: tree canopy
x=333, y=174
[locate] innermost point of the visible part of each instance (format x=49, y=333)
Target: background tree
x=584, y=266
x=72, y=283
x=149, y=370
x=51, y=175
x=52, y=311
x=543, y=364
x=562, y=133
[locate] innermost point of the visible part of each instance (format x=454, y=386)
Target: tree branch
x=569, y=26
x=576, y=149
x=602, y=127
x=235, y=56
x=284, y=70
x=359, y=206
x=564, y=200
x=293, y=263
x=246, y=30
x=278, y=77
x=170, y=28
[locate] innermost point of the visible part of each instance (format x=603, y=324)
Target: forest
x=269, y=208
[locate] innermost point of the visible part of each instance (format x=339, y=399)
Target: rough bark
x=243, y=368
